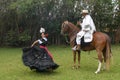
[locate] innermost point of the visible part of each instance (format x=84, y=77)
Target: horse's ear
x=66, y=22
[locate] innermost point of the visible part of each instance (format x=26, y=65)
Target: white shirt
x=40, y=42
x=88, y=24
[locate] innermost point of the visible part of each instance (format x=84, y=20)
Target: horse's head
x=64, y=27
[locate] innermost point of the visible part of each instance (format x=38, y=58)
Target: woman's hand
x=34, y=43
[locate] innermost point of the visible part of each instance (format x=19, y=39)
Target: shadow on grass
x=42, y=73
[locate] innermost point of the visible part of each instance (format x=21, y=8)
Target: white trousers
x=79, y=36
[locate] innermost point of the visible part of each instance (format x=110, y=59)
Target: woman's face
x=43, y=35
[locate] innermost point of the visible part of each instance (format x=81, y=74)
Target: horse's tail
x=108, y=53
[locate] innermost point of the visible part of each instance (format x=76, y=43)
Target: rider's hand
x=78, y=22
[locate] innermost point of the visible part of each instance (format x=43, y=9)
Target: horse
x=101, y=43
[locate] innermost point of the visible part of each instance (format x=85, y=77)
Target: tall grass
x=12, y=68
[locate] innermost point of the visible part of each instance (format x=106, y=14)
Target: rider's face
x=84, y=14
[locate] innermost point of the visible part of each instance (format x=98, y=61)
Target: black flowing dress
x=38, y=58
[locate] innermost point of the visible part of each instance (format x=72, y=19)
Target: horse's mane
x=74, y=26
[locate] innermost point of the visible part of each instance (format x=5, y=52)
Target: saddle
x=83, y=43
x=86, y=39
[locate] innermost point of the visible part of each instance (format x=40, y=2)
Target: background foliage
x=18, y=17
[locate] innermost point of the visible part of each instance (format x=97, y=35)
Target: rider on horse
x=87, y=26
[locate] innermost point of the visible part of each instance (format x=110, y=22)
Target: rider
x=86, y=26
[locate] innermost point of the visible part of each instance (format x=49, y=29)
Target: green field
x=12, y=68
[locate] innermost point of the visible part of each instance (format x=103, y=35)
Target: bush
x=11, y=38
x=24, y=38
x=17, y=39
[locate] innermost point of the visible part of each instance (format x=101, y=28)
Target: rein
x=72, y=34
x=66, y=39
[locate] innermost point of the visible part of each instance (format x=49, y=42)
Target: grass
x=12, y=68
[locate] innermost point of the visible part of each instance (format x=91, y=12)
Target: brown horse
x=100, y=43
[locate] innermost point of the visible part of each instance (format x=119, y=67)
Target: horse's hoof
x=78, y=66
x=97, y=72
x=74, y=67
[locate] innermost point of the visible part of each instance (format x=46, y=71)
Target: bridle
x=73, y=33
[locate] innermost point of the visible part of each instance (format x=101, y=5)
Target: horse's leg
x=74, y=59
x=99, y=53
x=79, y=59
x=104, y=55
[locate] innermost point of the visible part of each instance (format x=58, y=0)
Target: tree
x=23, y=17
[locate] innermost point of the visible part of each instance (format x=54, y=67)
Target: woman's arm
x=34, y=43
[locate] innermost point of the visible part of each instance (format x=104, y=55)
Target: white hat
x=42, y=30
x=84, y=11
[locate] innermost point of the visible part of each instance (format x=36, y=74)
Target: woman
x=39, y=58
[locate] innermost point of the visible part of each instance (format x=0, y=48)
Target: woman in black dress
x=39, y=58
